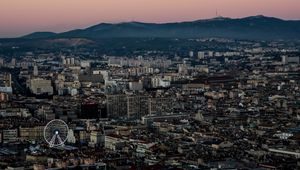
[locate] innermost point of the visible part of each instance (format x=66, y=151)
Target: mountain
x=39, y=35
x=254, y=27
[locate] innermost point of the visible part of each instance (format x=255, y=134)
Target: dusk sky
x=19, y=17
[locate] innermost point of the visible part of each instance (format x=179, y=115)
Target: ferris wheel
x=56, y=133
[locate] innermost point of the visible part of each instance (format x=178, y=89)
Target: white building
x=85, y=64
x=71, y=137
x=164, y=83
x=155, y=82
x=201, y=55
x=68, y=61
x=72, y=61
x=191, y=54
x=35, y=71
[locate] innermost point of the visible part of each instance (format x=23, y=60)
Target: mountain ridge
x=252, y=27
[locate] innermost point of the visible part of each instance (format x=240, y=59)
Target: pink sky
x=19, y=17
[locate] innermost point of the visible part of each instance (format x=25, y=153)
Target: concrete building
x=35, y=133
x=97, y=138
x=201, y=55
x=286, y=59
x=85, y=64
x=1, y=62
x=160, y=105
x=113, y=143
x=137, y=106
x=191, y=54
x=13, y=62
x=5, y=80
x=40, y=86
x=182, y=69
x=10, y=135
x=116, y=105
x=136, y=86
x=35, y=70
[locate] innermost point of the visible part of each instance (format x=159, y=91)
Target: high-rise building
x=210, y=53
x=40, y=86
x=13, y=62
x=72, y=61
x=191, y=54
x=85, y=64
x=284, y=59
x=136, y=85
x=64, y=61
x=5, y=80
x=5, y=83
x=201, y=55
x=1, y=62
x=160, y=105
x=35, y=70
x=10, y=135
x=89, y=110
x=116, y=105
x=32, y=133
x=137, y=106
x=4, y=97
x=68, y=61
x=293, y=59
x=97, y=138
x=131, y=106
x=182, y=69
x=155, y=82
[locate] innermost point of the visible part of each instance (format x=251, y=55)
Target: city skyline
x=149, y=84
x=18, y=18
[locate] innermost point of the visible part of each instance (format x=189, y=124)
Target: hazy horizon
x=19, y=18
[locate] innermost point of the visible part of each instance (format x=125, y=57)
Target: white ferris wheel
x=56, y=133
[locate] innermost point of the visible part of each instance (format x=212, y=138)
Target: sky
x=20, y=17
